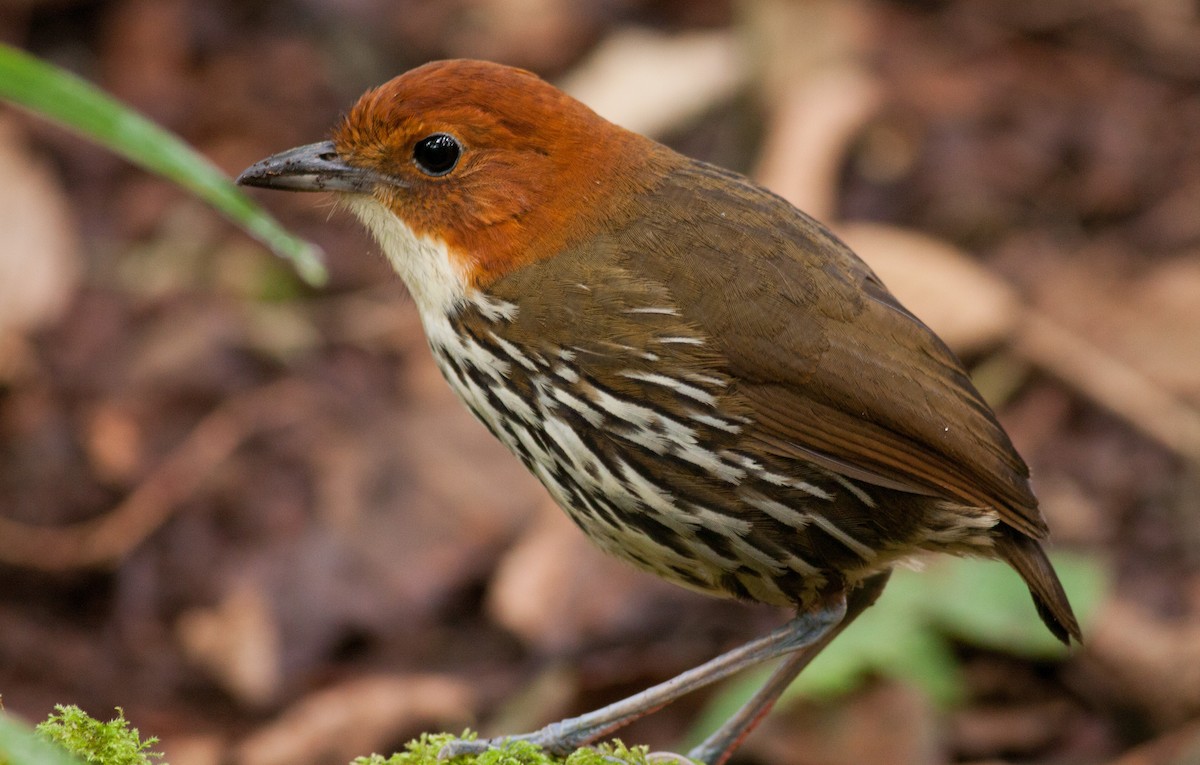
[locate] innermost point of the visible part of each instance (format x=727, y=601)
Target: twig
x=105, y=540
x=1111, y=383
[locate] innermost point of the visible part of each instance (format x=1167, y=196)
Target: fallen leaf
x=357, y=717
x=238, y=642
x=39, y=252
x=691, y=73
x=558, y=592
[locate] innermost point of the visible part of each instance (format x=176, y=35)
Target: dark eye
x=437, y=154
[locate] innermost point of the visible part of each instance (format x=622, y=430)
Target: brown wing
x=835, y=368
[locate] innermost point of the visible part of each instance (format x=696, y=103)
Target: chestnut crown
x=496, y=163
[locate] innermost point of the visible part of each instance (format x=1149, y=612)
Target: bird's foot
x=560, y=738
x=547, y=740
x=563, y=737
x=671, y=758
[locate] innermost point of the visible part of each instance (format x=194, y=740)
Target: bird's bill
x=315, y=167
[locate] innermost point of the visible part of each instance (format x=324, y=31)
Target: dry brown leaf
x=1178, y=747
x=357, y=717
x=1154, y=663
x=690, y=73
x=1157, y=324
x=199, y=749
x=817, y=91
x=885, y=724
x=419, y=491
x=796, y=39
x=39, y=252
x=238, y=642
x=534, y=34
x=527, y=589
x=106, y=539
x=1128, y=341
x=1113, y=383
x=811, y=126
x=1148, y=318
x=114, y=442
x=558, y=592
x=1006, y=728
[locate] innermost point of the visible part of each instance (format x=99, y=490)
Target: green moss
x=115, y=743
x=110, y=743
x=424, y=751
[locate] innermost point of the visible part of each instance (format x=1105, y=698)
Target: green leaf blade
x=62, y=97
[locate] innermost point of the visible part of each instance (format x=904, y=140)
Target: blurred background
x=252, y=514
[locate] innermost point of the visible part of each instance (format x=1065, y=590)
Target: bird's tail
x=1025, y=554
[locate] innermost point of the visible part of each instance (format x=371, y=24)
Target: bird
x=710, y=384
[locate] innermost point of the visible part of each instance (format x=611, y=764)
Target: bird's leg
x=716, y=749
x=566, y=736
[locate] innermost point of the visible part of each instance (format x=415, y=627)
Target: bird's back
x=704, y=407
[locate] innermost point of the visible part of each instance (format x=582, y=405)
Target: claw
x=543, y=739
x=464, y=746
x=553, y=739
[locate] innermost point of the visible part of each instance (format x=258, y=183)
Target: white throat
x=437, y=285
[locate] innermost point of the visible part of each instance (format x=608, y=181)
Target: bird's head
x=467, y=170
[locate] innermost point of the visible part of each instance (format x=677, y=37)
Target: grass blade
x=19, y=745
x=60, y=96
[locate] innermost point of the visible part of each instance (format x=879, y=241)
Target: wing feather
x=835, y=369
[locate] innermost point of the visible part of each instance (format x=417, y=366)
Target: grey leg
x=568, y=735
x=717, y=748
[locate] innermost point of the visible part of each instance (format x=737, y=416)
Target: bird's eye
x=437, y=154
